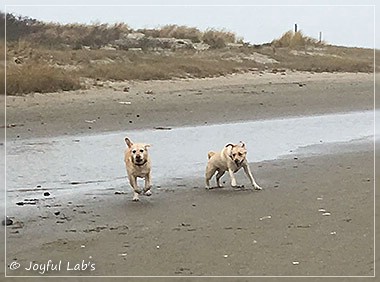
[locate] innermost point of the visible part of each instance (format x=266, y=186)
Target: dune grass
x=53, y=70
x=295, y=40
x=48, y=57
x=174, y=31
x=39, y=77
x=151, y=66
x=218, y=38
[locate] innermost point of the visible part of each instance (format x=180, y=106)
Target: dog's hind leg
x=209, y=173
x=218, y=176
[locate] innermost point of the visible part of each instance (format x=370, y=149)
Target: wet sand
x=187, y=102
x=313, y=218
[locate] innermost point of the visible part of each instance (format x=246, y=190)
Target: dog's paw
x=257, y=187
x=147, y=193
x=207, y=187
x=135, y=198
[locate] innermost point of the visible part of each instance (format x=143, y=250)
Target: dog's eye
x=141, y=151
x=240, y=154
x=134, y=151
x=233, y=154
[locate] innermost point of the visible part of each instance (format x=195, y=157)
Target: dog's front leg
x=250, y=176
x=232, y=176
x=136, y=190
x=148, y=185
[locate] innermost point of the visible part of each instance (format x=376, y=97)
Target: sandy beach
x=185, y=102
x=315, y=216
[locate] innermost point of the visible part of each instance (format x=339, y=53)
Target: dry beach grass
x=47, y=57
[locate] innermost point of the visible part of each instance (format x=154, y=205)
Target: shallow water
x=78, y=163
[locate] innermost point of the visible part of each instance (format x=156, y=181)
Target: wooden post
x=320, y=36
x=295, y=28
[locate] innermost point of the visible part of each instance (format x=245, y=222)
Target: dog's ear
x=242, y=144
x=230, y=144
x=128, y=142
x=146, y=146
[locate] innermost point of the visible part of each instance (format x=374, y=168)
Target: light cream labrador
x=232, y=158
x=137, y=162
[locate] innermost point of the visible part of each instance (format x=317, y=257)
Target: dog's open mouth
x=140, y=162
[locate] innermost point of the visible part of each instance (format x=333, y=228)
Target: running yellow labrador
x=232, y=158
x=137, y=162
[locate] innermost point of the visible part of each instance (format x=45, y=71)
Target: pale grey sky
x=348, y=23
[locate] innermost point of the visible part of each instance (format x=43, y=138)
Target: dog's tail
x=210, y=154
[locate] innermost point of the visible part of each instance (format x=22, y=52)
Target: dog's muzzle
x=140, y=161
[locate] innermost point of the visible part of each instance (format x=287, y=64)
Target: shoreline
x=146, y=128
x=178, y=103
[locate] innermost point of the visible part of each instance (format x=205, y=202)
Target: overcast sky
x=348, y=23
